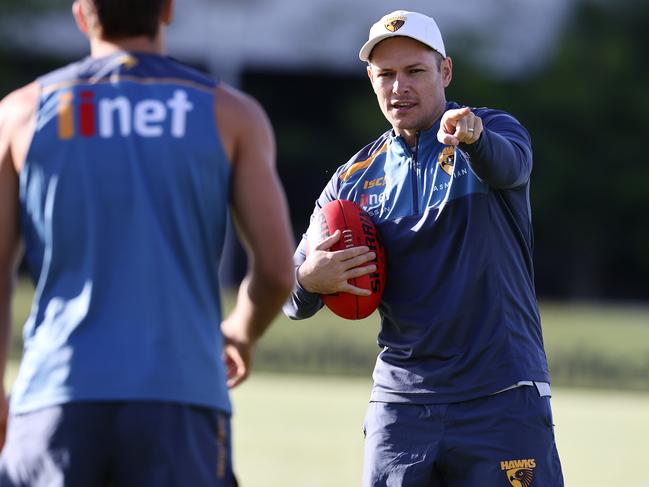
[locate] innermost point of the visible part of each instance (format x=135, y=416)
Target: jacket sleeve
x=301, y=303
x=502, y=156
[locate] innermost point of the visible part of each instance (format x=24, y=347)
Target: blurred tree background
x=586, y=109
x=588, y=116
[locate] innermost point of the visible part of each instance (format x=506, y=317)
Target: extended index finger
x=457, y=114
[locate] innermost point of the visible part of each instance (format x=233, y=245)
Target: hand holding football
x=347, y=232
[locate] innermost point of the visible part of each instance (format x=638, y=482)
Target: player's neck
x=103, y=47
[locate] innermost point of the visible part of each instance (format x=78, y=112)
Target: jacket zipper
x=415, y=176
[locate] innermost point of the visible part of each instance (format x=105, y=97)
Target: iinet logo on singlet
x=119, y=116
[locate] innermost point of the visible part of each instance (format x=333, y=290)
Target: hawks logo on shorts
x=520, y=473
x=446, y=159
x=393, y=24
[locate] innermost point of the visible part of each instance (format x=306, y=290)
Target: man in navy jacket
x=461, y=393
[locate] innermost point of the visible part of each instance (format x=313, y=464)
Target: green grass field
x=306, y=431
x=297, y=431
x=298, y=420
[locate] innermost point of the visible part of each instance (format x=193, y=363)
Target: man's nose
x=400, y=85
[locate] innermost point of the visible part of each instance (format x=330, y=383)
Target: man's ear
x=80, y=17
x=447, y=71
x=167, y=14
x=370, y=75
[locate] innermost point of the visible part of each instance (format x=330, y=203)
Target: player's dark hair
x=116, y=19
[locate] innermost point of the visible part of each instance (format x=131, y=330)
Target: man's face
x=409, y=81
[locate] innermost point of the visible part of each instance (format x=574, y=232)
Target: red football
x=357, y=229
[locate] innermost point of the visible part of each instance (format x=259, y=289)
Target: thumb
x=328, y=242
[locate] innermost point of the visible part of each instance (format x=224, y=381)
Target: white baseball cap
x=408, y=24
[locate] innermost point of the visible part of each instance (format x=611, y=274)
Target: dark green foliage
x=586, y=110
x=12, y=6
x=588, y=114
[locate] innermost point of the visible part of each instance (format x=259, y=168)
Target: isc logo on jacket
x=119, y=116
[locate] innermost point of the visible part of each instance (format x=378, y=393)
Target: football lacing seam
x=348, y=238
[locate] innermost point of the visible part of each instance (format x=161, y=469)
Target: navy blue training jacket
x=459, y=315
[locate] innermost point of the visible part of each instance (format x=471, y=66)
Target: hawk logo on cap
x=520, y=473
x=393, y=24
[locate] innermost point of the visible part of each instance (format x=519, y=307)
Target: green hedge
x=588, y=345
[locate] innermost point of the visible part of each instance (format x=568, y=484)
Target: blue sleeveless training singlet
x=124, y=196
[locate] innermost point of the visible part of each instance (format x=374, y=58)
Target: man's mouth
x=402, y=105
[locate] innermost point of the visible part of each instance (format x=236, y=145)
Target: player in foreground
x=461, y=392
x=121, y=168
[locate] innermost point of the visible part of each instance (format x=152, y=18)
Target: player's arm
x=15, y=116
x=499, y=146
x=260, y=213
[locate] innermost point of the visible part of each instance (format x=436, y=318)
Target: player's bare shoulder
x=17, y=122
x=19, y=105
x=241, y=118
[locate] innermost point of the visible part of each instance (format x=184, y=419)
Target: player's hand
x=237, y=352
x=326, y=272
x=459, y=126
